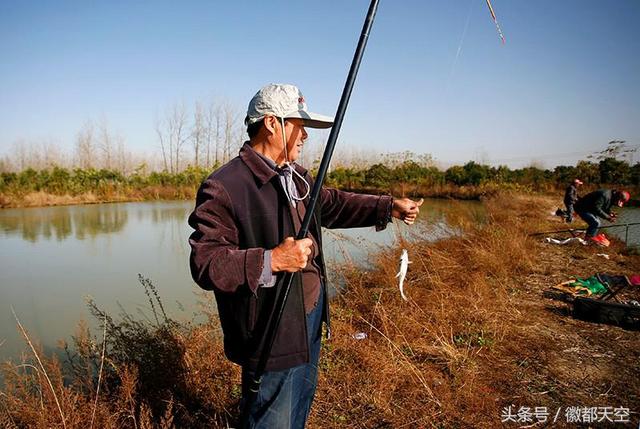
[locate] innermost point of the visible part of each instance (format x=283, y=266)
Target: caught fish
x=402, y=273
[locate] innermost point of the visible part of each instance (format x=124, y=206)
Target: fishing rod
x=272, y=327
x=584, y=229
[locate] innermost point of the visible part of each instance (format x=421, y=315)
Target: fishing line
x=288, y=179
x=464, y=34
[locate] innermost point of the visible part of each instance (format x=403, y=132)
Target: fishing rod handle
x=267, y=345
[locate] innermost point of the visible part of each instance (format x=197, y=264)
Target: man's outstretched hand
x=406, y=210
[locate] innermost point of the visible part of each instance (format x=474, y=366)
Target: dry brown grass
x=157, y=192
x=149, y=193
x=475, y=336
x=156, y=374
x=420, y=361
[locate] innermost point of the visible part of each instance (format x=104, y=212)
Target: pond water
x=52, y=259
x=631, y=233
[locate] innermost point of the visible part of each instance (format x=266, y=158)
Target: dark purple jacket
x=241, y=210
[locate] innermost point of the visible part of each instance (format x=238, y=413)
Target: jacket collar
x=259, y=167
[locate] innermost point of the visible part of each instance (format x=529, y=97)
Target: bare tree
x=110, y=145
x=616, y=149
x=218, y=133
x=105, y=144
x=6, y=165
x=51, y=155
x=178, y=123
x=123, y=158
x=159, y=124
x=230, y=118
x=20, y=151
x=38, y=155
x=212, y=132
x=172, y=133
x=241, y=134
x=86, y=146
x=198, y=133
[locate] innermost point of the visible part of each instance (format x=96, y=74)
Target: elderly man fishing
x=246, y=216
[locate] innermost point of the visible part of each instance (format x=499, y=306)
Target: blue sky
x=566, y=82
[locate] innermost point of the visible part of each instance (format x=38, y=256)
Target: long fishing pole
x=583, y=229
x=272, y=328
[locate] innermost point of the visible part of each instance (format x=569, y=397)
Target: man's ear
x=270, y=123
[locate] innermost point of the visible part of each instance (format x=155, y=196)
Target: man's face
x=296, y=136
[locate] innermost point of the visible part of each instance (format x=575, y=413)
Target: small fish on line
x=402, y=273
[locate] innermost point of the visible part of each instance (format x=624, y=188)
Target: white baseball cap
x=284, y=101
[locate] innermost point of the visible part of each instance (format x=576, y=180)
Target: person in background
x=570, y=198
x=246, y=216
x=597, y=205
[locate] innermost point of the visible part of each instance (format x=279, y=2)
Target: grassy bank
x=149, y=193
x=398, y=175
x=59, y=186
x=154, y=193
x=123, y=193
x=475, y=336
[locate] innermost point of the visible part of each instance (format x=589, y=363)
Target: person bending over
x=597, y=205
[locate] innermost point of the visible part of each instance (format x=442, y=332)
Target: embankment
x=475, y=337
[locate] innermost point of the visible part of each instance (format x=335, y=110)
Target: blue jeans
x=569, y=212
x=593, y=222
x=285, y=397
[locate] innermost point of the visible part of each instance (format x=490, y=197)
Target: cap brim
x=312, y=120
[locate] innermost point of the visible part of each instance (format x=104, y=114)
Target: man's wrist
x=266, y=277
x=388, y=216
x=274, y=260
x=385, y=209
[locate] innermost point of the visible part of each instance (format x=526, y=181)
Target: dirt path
x=563, y=362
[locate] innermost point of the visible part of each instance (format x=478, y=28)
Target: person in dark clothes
x=570, y=198
x=597, y=205
x=246, y=217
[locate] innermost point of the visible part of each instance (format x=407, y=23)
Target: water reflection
x=61, y=223
x=160, y=214
x=630, y=234
x=52, y=258
x=438, y=219
x=82, y=222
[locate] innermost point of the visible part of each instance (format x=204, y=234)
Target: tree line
x=193, y=142
x=60, y=180
x=612, y=166
x=208, y=134
x=381, y=177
